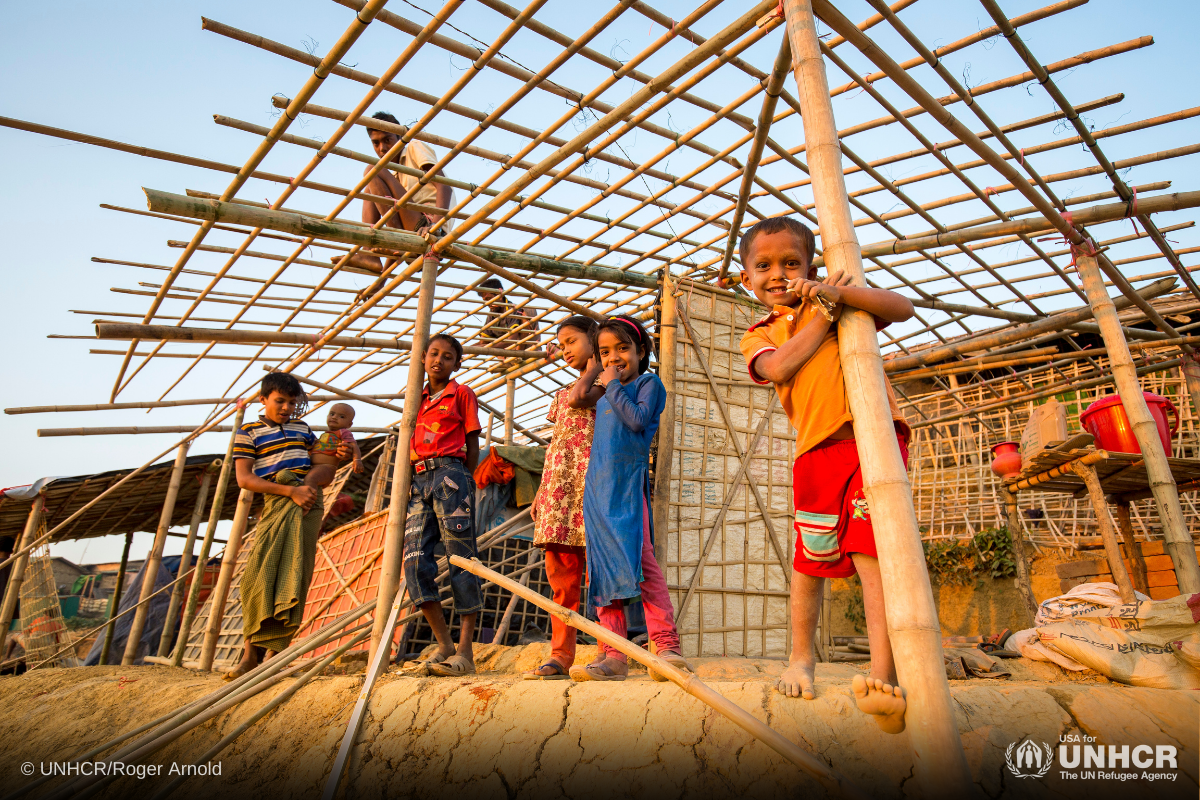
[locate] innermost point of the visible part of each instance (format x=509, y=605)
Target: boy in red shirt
x=444, y=451
x=795, y=348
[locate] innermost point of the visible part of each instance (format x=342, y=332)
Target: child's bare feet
x=797, y=680
x=881, y=700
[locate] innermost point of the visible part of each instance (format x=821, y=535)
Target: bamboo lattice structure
x=591, y=182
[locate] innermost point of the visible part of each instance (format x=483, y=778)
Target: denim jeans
x=439, y=510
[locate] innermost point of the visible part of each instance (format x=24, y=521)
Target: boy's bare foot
x=881, y=700
x=247, y=663
x=797, y=680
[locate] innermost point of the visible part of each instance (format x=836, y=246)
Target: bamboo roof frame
x=735, y=163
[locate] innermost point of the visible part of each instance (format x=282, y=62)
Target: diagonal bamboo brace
x=834, y=781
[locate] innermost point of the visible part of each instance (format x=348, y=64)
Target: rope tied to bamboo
x=1131, y=210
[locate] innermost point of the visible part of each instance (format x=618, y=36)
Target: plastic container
x=1006, y=460
x=1047, y=424
x=1106, y=420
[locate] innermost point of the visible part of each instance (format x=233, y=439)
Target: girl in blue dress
x=616, y=500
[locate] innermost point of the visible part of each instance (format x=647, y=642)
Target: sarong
x=279, y=568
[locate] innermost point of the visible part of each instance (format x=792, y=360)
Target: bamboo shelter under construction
x=593, y=184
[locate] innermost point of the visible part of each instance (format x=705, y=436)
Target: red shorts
x=832, y=517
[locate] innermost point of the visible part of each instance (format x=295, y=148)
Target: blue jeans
x=439, y=510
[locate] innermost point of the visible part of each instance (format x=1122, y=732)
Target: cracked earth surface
x=493, y=735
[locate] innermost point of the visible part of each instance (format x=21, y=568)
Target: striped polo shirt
x=275, y=447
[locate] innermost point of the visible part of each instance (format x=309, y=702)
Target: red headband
x=636, y=329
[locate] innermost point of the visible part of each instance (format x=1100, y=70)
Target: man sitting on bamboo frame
x=423, y=213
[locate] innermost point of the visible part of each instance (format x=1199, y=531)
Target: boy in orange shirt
x=795, y=348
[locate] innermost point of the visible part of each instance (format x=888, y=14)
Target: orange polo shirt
x=815, y=399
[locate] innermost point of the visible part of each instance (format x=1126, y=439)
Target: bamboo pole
x=164, y=644
x=528, y=285
x=1016, y=534
x=12, y=590
x=111, y=330
x=833, y=781
x=1107, y=532
x=1178, y=540
x=1087, y=216
x=1131, y=547
x=211, y=401
x=392, y=569
x=385, y=239
x=115, y=600
x=667, y=356
x=913, y=626
x=220, y=592
x=510, y=390
x=143, y=429
x=774, y=85
x=266, y=709
x=343, y=393
x=210, y=532
x=998, y=337
x=150, y=566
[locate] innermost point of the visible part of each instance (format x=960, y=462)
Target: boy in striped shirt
x=272, y=458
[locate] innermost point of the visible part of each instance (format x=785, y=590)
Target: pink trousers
x=656, y=601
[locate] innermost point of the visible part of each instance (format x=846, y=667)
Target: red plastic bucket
x=1105, y=419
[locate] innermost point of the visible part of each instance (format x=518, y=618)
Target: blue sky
x=145, y=73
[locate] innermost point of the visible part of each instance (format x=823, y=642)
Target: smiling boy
x=795, y=348
x=444, y=452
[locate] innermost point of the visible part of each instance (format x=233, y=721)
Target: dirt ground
x=494, y=735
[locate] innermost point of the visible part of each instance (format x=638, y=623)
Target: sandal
x=453, y=667
x=671, y=657
x=602, y=669
x=436, y=658
x=559, y=673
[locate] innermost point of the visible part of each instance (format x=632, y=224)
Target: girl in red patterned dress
x=558, y=507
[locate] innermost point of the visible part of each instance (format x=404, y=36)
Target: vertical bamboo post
x=1108, y=533
x=1017, y=537
x=510, y=398
x=210, y=532
x=1158, y=471
x=1191, y=377
x=12, y=592
x=1133, y=551
x=374, y=502
x=666, y=429
x=114, y=603
x=392, y=568
x=916, y=636
x=185, y=561
x=154, y=558
x=220, y=592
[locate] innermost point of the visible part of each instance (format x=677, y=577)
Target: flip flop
x=453, y=667
x=598, y=670
x=558, y=675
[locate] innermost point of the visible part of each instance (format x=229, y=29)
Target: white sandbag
x=1082, y=599
x=1026, y=642
x=1153, y=643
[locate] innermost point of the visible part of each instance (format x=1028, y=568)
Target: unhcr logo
x=1028, y=760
